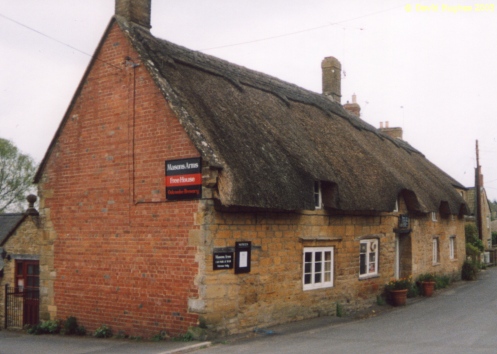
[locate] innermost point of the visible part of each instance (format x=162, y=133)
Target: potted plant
x=427, y=282
x=397, y=289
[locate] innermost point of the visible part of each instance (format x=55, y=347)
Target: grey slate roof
x=8, y=224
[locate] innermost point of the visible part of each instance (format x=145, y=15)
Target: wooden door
x=28, y=282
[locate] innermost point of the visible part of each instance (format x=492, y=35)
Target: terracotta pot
x=428, y=288
x=398, y=297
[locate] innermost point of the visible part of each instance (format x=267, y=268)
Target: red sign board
x=184, y=179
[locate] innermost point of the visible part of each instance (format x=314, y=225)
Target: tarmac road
x=462, y=319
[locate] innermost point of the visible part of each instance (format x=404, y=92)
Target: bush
x=442, y=281
x=103, y=332
x=470, y=232
x=425, y=277
x=70, y=325
x=80, y=331
x=469, y=271
x=413, y=290
x=46, y=327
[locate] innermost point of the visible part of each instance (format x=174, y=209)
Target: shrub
x=469, y=271
x=474, y=254
x=339, y=310
x=70, y=325
x=442, y=281
x=425, y=277
x=103, y=331
x=470, y=232
x=413, y=290
x=46, y=327
x=80, y=331
x=399, y=284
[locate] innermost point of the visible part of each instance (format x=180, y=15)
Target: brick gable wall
x=121, y=253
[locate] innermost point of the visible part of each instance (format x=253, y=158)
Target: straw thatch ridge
x=273, y=140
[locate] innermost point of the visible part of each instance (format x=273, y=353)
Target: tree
x=16, y=175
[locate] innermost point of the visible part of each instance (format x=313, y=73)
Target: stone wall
x=30, y=242
x=273, y=292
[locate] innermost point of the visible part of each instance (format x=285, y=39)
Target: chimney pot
x=386, y=124
x=136, y=11
x=381, y=125
x=353, y=107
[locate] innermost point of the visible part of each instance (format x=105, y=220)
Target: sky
x=428, y=67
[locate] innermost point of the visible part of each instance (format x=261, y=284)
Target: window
x=27, y=275
x=433, y=216
x=452, y=247
x=436, y=250
x=368, y=257
x=318, y=201
x=318, y=267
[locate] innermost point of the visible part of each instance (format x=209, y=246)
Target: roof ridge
x=258, y=80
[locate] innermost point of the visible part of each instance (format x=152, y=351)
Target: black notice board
x=222, y=260
x=243, y=255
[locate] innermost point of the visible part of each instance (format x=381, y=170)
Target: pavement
x=18, y=342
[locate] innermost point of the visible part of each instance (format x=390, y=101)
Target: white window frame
x=435, y=251
x=318, y=197
x=369, y=248
x=317, y=272
x=434, y=216
x=452, y=247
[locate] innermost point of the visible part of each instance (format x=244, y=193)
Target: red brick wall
x=121, y=253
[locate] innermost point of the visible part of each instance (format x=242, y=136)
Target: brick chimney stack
x=353, y=107
x=394, y=132
x=136, y=11
x=332, y=71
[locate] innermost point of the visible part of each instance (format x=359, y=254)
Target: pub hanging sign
x=184, y=179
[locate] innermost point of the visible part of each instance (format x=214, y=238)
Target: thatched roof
x=274, y=139
x=271, y=139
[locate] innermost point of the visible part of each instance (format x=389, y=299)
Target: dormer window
x=318, y=198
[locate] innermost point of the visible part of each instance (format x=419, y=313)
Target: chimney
x=332, y=71
x=394, y=132
x=353, y=107
x=136, y=11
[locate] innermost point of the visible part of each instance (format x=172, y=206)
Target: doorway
x=27, y=283
x=403, y=255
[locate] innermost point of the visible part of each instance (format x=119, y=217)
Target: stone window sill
x=367, y=277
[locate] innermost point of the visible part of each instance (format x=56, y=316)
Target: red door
x=28, y=281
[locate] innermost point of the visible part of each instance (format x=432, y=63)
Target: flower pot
x=428, y=288
x=398, y=297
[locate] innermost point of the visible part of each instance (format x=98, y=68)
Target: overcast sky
x=431, y=70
